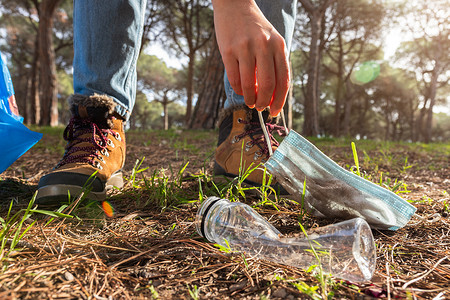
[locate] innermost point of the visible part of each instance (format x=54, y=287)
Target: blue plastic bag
x=15, y=138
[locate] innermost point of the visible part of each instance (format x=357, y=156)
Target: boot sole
x=57, y=194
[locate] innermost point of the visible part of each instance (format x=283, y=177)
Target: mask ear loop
x=264, y=129
x=283, y=119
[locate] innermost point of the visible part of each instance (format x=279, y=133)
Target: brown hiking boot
x=242, y=139
x=95, y=144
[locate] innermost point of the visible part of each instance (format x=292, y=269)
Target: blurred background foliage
x=368, y=69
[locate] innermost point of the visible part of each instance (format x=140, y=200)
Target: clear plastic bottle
x=346, y=249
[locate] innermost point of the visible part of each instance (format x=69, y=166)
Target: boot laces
x=257, y=136
x=75, y=133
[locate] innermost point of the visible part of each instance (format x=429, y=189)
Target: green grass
x=14, y=228
x=384, y=163
x=165, y=190
x=47, y=130
x=375, y=175
x=321, y=276
x=194, y=292
x=51, y=141
x=381, y=162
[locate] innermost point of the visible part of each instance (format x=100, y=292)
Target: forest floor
x=149, y=248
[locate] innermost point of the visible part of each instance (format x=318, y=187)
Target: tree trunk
x=21, y=94
x=347, y=115
x=420, y=121
x=165, y=104
x=411, y=123
x=432, y=95
x=337, y=110
x=49, y=99
x=386, y=132
x=311, y=123
x=387, y=119
x=190, y=87
x=35, y=105
x=210, y=99
x=290, y=100
x=132, y=122
x=394, y=131
x=339, y=88
x=362, y=119
x=315, y=14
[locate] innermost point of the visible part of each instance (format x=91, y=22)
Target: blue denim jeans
x=107, y=39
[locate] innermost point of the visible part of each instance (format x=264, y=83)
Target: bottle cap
x=203, y=212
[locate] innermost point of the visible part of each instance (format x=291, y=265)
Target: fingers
x=266, y=81
x=233, y=73
x=272, y=77
x=263, y=83
x=282, y=84
x=248, y=81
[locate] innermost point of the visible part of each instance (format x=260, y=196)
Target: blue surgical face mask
x=332, y=191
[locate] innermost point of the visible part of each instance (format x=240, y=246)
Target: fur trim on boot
x=98, y=108
x=96, y=101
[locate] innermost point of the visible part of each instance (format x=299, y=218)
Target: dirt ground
x=148, y=252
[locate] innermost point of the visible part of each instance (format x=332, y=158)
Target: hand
x=253, y=52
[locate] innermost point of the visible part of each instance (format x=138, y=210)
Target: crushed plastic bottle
x=346, y=249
